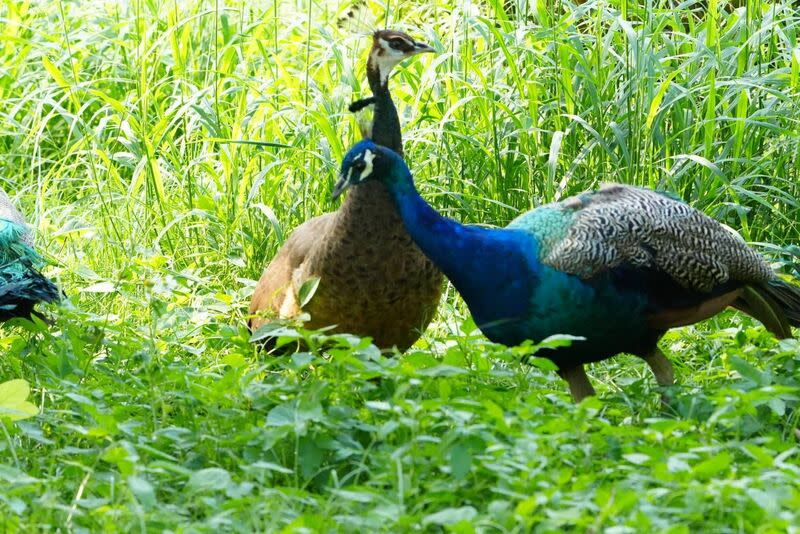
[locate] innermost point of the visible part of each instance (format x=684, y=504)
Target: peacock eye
x=359, y=165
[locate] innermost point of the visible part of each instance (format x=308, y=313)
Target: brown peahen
x=374, y=281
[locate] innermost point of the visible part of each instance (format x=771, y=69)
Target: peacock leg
x=661, y=367
x=579, y=385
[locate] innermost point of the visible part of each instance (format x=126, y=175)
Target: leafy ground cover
x=121, y=129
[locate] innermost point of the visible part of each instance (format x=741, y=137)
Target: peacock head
x=390, y=47
x=365, y=161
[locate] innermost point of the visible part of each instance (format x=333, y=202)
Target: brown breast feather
x=374, y=281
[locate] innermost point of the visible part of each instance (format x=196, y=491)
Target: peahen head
x=367, y=161
x=390, y=47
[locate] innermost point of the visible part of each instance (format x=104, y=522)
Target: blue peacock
x=617, y=267
x=22, y=286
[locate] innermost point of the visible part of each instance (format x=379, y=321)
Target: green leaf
x=558, y=341
x=235, y=360
x=656, y=103
x=142, y=490
x=443, y=370
x=449, y=516
x=209, y=479
x=701, y=161
x=268, y=466
x=283, y=415
x=13, y=400
x=713, y=466
x=636, y=458
x=99, y=287
x=778, y=406
x=745, y=369
x=307, y=290
x=552, y=158
x=468, y=326
x=276, y=329
x=252, y=142
x=53, y=71
x=310, y=456
x=460, y=460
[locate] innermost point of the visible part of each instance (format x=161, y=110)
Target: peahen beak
x=341, y=184
x=422, y=48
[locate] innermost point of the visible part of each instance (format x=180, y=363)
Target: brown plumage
x=374, y=281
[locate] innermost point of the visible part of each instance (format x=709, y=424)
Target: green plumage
x=549, y=223
x=21, y=284
x=15, y=252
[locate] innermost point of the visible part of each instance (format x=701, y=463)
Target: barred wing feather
x=621, y=224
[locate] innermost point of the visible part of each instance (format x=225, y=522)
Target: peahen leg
x=578, y=382
x=661, y=367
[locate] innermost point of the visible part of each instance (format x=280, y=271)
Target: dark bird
x=617, y=267
x=22, y=286
x=373, y=280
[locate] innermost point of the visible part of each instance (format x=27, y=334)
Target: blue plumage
x=617, y=267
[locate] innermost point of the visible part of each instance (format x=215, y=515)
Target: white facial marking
x=388, y=60
x=369, y=156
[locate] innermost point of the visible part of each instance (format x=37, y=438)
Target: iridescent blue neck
x=491, y=268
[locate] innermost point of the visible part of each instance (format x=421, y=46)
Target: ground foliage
x=164, y=150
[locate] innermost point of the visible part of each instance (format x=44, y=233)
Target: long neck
x=489, y=267
x=385, y=122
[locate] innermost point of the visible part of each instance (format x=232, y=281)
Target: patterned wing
x=623, y=224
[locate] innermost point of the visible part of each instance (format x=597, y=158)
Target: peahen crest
x=16, y=244
x=358, y=18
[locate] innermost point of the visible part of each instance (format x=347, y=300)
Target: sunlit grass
x=164, y=151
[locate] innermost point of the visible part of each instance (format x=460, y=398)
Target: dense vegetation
x=164, y=150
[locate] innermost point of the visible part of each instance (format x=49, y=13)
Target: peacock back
x=625, y=225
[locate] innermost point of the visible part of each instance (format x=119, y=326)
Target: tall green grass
x=165, y=150
x=140, y=110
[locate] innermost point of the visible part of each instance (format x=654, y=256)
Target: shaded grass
x=120, y=130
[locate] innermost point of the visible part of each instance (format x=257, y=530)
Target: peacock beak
x=341, y=184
